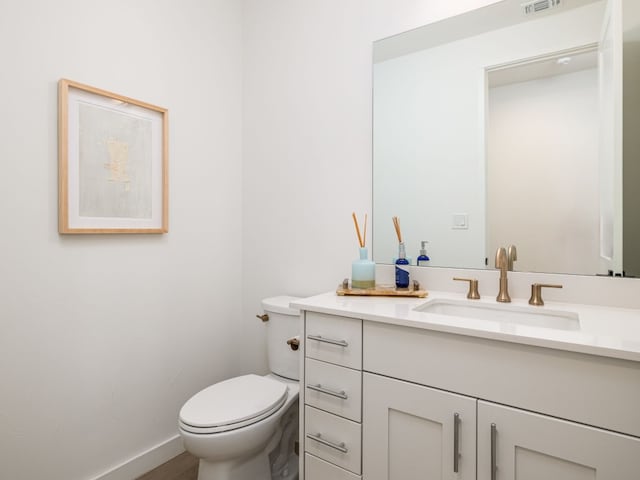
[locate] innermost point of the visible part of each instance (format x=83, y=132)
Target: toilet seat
x=232, y=404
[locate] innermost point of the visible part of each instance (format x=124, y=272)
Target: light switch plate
x=460, y=221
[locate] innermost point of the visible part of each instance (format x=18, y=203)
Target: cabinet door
x=527, y=446
x=411, y=432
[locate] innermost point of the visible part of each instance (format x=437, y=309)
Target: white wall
x=545, y=132
x=428, y=154
x=307, y=137
x=102, y=338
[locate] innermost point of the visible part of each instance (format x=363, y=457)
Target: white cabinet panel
x=317, y=469
x=334, y=389
x=409, y=432
x=334, y=439
x=523, y=376
x=334, y=339
x=528, y=446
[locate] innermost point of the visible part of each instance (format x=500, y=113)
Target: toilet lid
x=233, y=401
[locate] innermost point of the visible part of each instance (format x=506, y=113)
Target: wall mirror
x=504, y=125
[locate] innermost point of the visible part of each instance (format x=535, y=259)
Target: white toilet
x=245, y=428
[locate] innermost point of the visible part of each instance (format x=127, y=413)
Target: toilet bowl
x=244, y=428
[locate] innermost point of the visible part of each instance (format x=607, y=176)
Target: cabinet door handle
x=318, y=338
x=494, y=463
x=336, y=446
x=456, y=441
x=319, y=388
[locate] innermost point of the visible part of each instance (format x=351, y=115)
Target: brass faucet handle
x=501, y=258
x=473, y=287
x=512, y=256
x=502, y=264
x=536, y=292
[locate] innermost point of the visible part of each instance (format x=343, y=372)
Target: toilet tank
x=283, y=324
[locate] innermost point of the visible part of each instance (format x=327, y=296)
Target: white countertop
x=605, y=331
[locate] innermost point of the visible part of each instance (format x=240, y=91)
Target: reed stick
x=396, y=224
x=364, y=236
x=355, y=222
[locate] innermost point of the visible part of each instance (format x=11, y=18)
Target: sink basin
x=503, y=313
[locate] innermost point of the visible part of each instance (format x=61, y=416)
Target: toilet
x=245, y=428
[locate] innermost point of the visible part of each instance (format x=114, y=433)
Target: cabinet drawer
x=316, y=469
x=522, y=376
x=334, y=439
x=334, y=389
x=334, y=339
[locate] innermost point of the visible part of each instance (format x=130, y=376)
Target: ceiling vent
x=537, y=6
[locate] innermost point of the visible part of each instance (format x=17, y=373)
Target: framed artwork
x=112, y=162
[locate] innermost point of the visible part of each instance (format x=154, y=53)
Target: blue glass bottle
x=402, y=268
x=423, y=259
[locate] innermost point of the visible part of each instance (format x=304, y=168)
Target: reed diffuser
x=402, y=264
x=363, y=270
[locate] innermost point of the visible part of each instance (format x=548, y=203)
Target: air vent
x=537, y=6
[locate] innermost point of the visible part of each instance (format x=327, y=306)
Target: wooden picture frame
x=112, y=162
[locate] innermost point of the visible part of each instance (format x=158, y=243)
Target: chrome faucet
x=502, y=262
x=512, y=256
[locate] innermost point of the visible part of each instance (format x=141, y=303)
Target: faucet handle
x=501, y=258
x=536, y=292
x=512, y=256
x=473, y=287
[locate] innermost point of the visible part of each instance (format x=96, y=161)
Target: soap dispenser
x=423, y=258
x=402, y=268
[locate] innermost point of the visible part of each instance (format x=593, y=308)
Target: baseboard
x=144, y=462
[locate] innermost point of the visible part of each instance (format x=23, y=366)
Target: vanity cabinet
x=409, y=431
x=416, y=432
x=412, y=432
x=526, y=446
x=332, y=414
x=393, y=402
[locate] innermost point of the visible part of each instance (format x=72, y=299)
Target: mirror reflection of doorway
x=543, y=129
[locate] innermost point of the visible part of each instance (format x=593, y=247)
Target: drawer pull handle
x=456, y=441
x=494, y=461
x=336, y=446
x=318, y=338
x=319, y=388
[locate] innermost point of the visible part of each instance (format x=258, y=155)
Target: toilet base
x=291, y=472
x=257, y=467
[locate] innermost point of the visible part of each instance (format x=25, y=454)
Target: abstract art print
x=113, y=162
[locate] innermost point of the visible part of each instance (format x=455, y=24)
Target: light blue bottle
x=402, y=268
x=363, y=271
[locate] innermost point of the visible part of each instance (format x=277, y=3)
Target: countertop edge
x=319, y=304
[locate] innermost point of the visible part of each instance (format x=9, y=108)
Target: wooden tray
x=382, y=290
